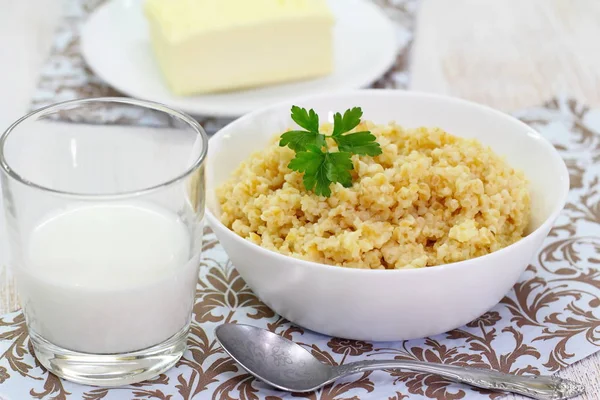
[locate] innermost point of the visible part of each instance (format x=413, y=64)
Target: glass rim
x=6, y=168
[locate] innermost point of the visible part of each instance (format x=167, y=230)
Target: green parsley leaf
x=361, y=143
x=350, y=120
x=313, y=163
x=321, y=167
x=308, y=120
x=306, y=161
x=299, y=140
x=338, y=166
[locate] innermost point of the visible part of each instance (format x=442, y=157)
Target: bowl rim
x=285, y=259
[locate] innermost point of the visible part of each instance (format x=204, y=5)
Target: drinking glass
x=104, y=203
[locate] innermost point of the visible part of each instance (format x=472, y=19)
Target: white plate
x=116, y=45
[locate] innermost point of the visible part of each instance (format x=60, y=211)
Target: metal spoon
x=287, y=366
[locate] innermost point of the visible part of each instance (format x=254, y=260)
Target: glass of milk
x=104, y=202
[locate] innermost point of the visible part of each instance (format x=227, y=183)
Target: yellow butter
x=204, y=46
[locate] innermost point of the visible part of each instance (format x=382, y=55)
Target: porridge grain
x=431, y=198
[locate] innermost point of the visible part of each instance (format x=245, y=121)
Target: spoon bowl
x=286, y=365
x=377, y=305
x=273, y=359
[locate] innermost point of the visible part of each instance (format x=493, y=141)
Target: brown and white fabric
x=550, y=319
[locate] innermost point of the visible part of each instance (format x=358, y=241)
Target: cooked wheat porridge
x=430, y=198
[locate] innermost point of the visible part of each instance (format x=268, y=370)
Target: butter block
x=205, y=46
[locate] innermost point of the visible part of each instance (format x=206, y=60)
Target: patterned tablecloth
x=549, y=320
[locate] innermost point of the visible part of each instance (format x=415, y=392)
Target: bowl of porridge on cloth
x=382, y=214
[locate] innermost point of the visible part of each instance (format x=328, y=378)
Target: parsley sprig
x=320, y=166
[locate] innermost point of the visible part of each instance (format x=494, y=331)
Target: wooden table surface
x=505, y=53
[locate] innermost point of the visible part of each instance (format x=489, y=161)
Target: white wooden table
x=506, y=53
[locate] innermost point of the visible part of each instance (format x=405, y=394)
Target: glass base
x=110, y=369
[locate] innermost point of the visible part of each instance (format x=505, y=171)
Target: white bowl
x=386, y=305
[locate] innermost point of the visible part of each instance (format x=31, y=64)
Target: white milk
x=108, y=278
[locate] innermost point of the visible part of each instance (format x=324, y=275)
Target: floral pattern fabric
x=549, y=320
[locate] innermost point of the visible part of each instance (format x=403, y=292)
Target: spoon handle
x=536, y=387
